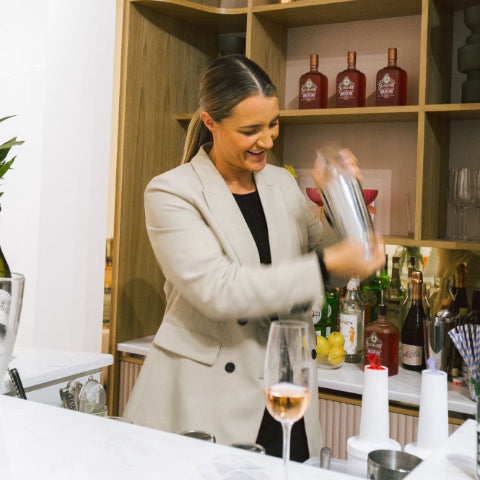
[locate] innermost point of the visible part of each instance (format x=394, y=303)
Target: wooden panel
x=435, y=177
x=162, y=62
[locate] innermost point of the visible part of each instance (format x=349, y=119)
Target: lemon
x=323, y=348
x=336, y=339
x=336, y=355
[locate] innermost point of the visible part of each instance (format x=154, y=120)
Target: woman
x=238, y=247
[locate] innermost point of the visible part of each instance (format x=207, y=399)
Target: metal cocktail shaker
x=344, y=202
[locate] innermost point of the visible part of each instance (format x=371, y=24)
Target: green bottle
x=383, y=276
x=325, y=320
x=370, y=290
x=395, y=295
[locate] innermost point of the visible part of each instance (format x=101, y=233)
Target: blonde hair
x=223, y=85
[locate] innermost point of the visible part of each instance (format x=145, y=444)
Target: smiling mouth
x=256, y=153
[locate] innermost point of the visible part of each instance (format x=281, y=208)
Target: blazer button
x=314, y=353
x=242, y=321
x=229, y=367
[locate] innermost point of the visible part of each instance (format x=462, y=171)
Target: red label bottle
x=313, y=87
x=350, y=85
x=391, y=83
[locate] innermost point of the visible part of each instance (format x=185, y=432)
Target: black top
x=270, y=434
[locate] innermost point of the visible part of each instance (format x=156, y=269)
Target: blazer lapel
x=229, y=220
x=276, y=213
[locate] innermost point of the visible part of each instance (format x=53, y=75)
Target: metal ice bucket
x=437, y=342
x=344, y=202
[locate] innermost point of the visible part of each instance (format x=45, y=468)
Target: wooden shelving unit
x=164, y=47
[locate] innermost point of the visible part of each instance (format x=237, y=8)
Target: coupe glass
x=288, y=376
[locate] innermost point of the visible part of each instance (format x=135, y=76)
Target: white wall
x=56, y=75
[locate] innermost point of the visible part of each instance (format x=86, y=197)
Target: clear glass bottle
x=325, y=319
x=350, y=85
x=395, y=295
x=391, y=86
x=351, y=319
x=413, y=352
x=313, y=87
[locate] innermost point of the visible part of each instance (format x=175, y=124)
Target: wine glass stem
x=287, y=429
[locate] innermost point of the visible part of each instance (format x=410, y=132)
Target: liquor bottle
x=350, y=85
x=394, y=296
x=381, y=339
x=413, y=354
x=384, y=277
x=370, y=289
x=391, y=83
x=313, y=87
x=325, y=319
x=351, y=318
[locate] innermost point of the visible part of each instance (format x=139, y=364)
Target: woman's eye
x=249, y=133
x=274, y=124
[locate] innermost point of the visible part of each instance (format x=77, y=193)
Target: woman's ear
x=208, y=121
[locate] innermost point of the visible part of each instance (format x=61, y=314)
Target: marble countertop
x=44, y=442
x=38, y=441
x=404, y=387
x=40, y=368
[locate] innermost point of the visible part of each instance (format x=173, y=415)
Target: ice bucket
x=11, y=296
x=344, y=202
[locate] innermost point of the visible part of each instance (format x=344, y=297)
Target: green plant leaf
x=6, y=118
x=5, y=148
x=5, y=167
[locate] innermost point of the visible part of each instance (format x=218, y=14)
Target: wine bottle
x=395, y=294
x=413, y=354
x=461, y=304
x=325, y=319
x=313, y=87
x=352, y=312
x=408, y=290
x=474, y=316
x=381, y=339
x=350, y=85
x=391, y=83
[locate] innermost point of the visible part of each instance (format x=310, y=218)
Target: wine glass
x=288, y=375
x=452, y=200
x=476, y=204
x=465, y=197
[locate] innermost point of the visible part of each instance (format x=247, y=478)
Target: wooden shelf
x=458, y=111
x=219, y=19
x=317, y=12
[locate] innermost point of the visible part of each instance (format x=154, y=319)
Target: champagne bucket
x=437, y=341
x=11, y=296
x=344, y=202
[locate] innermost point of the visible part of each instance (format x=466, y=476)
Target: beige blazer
x=204, y=370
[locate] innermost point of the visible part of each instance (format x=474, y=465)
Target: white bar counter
x=39, y=442
x=42, y=368
x=348, y=378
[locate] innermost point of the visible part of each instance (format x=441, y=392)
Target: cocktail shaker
x=343, y=200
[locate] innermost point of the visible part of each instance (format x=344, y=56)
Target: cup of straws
x=467, y=340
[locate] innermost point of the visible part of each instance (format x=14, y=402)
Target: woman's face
x=241, y=141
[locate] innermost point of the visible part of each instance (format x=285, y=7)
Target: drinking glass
x=288, y=375
x=464, y=195
x=452, y=200
x=476, y=204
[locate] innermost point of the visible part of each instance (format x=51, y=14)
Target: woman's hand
x=346, y=159
x=347, y=258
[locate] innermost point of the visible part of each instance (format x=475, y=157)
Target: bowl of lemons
x=330, y=351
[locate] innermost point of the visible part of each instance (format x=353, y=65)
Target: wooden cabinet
x=166, y=44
